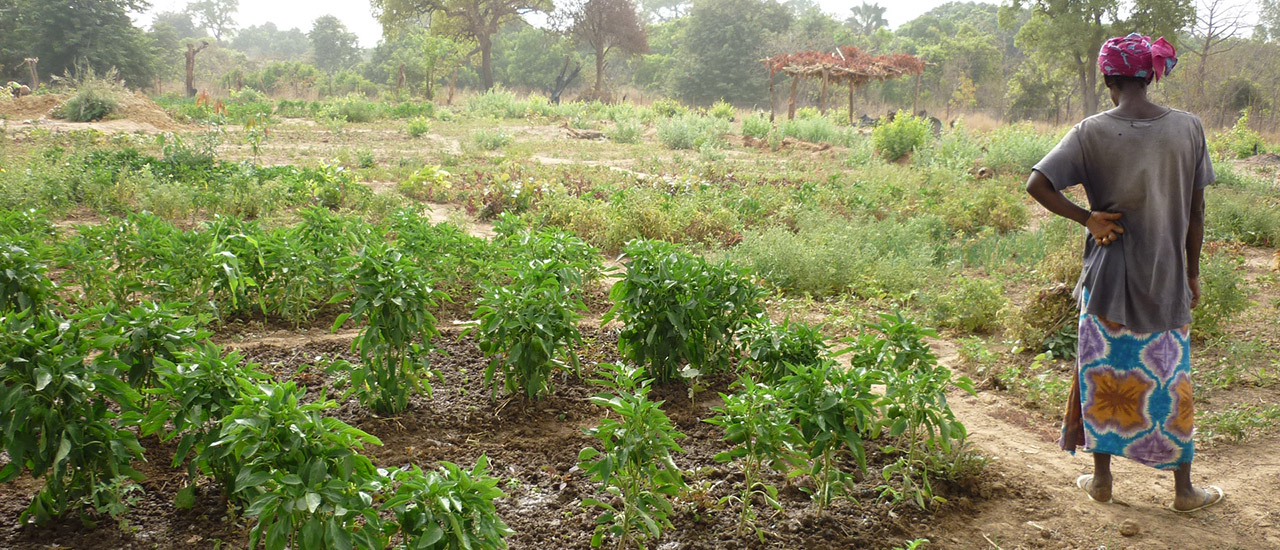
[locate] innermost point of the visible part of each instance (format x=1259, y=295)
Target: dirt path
x=1044, y=509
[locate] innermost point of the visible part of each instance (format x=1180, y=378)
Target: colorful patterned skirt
x=1131, y=395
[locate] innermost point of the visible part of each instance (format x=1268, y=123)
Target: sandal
x=1084, y=482
x=1212, y=495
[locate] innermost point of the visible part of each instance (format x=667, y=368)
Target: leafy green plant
x=903, y=134
x=772, y=346
x=529, y=325
x=756, y=126
x=692, y=132
x=418, y=127
x=490, y=140
x=24, y=284
x=625, y=131
x=1225, y=294
x=916, y=401
x=764, y=437
x=428, y=184
x=1016, y=148
x=634, y=463
x=298, y=472
x=61, y=419
x=722, y=110
x=668, y=108
x=134, y=339
x=447, y=509
x=833, y=408
x=971, y=305
x=1239, y=142
x=393, y=297
x=680, y=313
x=95, y=97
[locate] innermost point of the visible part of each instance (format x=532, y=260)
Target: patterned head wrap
x=1136, y=55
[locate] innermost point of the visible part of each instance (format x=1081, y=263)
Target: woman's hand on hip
x=1103, y=227
x=1194, y=283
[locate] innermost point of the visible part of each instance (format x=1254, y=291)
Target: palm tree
x=867, y=18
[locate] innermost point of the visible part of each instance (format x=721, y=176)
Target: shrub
x=1241, y=216
x=418, y=127
x=1016, y=148
x=448, y=508
x=668, y=108
x=905, y=133
x=692, y=132
x=24, y=283
x=625, y=131
x=757, y=126
x=95, y=97
x=1239, y=142
x=428, y=184
x=771, y=347
x=490, y=140
x=529, y=325
x=634, y=462
x=817, y=129
x=352, y=108
x=968, y=210
x=722, y=110
x=679, y=313
x=971, y=305
x=1224, y=294
x=496, y=103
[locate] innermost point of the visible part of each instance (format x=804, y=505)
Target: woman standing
x=1144, y=168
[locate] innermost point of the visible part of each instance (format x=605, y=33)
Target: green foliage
x=668, y=108
x=418, y=127
x=427, y=184
x=771, y=347
x=969, y=210
x=706, y=70
x=1016, y=148
x=763, y=437
x=1238, y=422
x=94, y=98
x=298, y=472
x=448, y=509
x=529, y=325
x=692, y=132
x=1239, y=142
x=634, y=463
x=352, y=108
x=62, y=417
x=392, y=296
x=24, y=283
x=916, y=397
x=816, y=129
x=134, y=339
x=902, y=135
x=756, y=125
x=1224, y=294
x=722, y=110
x=679, y=313
x=1231, y=214
x=625, y=131
x=971, y=305
x=490, y=140
x=834, y=408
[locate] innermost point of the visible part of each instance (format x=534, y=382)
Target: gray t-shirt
x=1145, y=169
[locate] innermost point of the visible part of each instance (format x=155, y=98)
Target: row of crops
x=106, y=343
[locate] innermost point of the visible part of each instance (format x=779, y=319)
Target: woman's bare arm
x=1100, y=224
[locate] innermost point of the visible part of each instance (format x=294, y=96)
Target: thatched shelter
x=847, y=66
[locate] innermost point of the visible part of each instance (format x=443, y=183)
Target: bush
x=692, y=132
x=1239, y=142
x=1224, y=294
x=722, y=110
x=668, y=108
x=905, y=133
x=418, y=127
x=679, y=313
x=625, y=131
x=1244, y=217
x=428, y=184
x=757, y=126
x=771, y=347
x=448, y=508
x=490, y=140
x=968, y=210
x=816, y=129
x=94, y=97
x=352, y=108
x=970, y=305
x=1016, y=148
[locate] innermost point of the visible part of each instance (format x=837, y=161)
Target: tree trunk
x=851, y=103
x=453, y=85
x=35, y=77
x=400, y=79
x=915, y=101
x=791, y=106
x=822, y=96
x=599, y=73
x=192, y=50
x=486, y=62
x=1088, y=90
x=773, y=98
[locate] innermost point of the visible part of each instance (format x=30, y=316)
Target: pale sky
x=358, y=18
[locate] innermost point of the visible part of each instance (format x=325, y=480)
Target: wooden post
x=915, y=103
x=772, y=97
x=822, y=96
x=851, y=102
x=791, y=107
x=192, y=50
x=31, y=66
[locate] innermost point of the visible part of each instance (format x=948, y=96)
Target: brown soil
x=29, y=107
x=137, y=114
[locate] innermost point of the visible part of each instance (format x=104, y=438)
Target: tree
x=192, y=51
x=475, y=20
x=661, y=11
x=1268, y=20
x=1217, y=22
x=605, y=26
x=216, y=16
x=722, y=46
x=526, y=56
x=64, y=34
x=1069, y=33
x=867, y=18
x=180, y=22
x=418, y=59
x=266, y=41
x=334, y=47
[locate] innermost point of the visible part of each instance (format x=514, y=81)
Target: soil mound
x=29, y=107
x=137, y=107
x=1265, y=160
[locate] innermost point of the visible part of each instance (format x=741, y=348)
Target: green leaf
x=313, y=502
x=42, y=378
x=186, y=497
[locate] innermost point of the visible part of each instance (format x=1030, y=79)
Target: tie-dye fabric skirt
x=1131, y=395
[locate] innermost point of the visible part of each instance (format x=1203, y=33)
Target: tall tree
x=661, y=11
x=722, y=46
x=266, y=41
x=1217, y=22
x=417, y=59
x=335, y=48
x=180, y=22
x=606, y=26
x=475, y=20
x=1069, y=33
x=215, y=16
x=867, y=18
x=67, y=33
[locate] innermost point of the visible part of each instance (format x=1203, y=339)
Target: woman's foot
x=1198, y=499
x=1098, y=487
